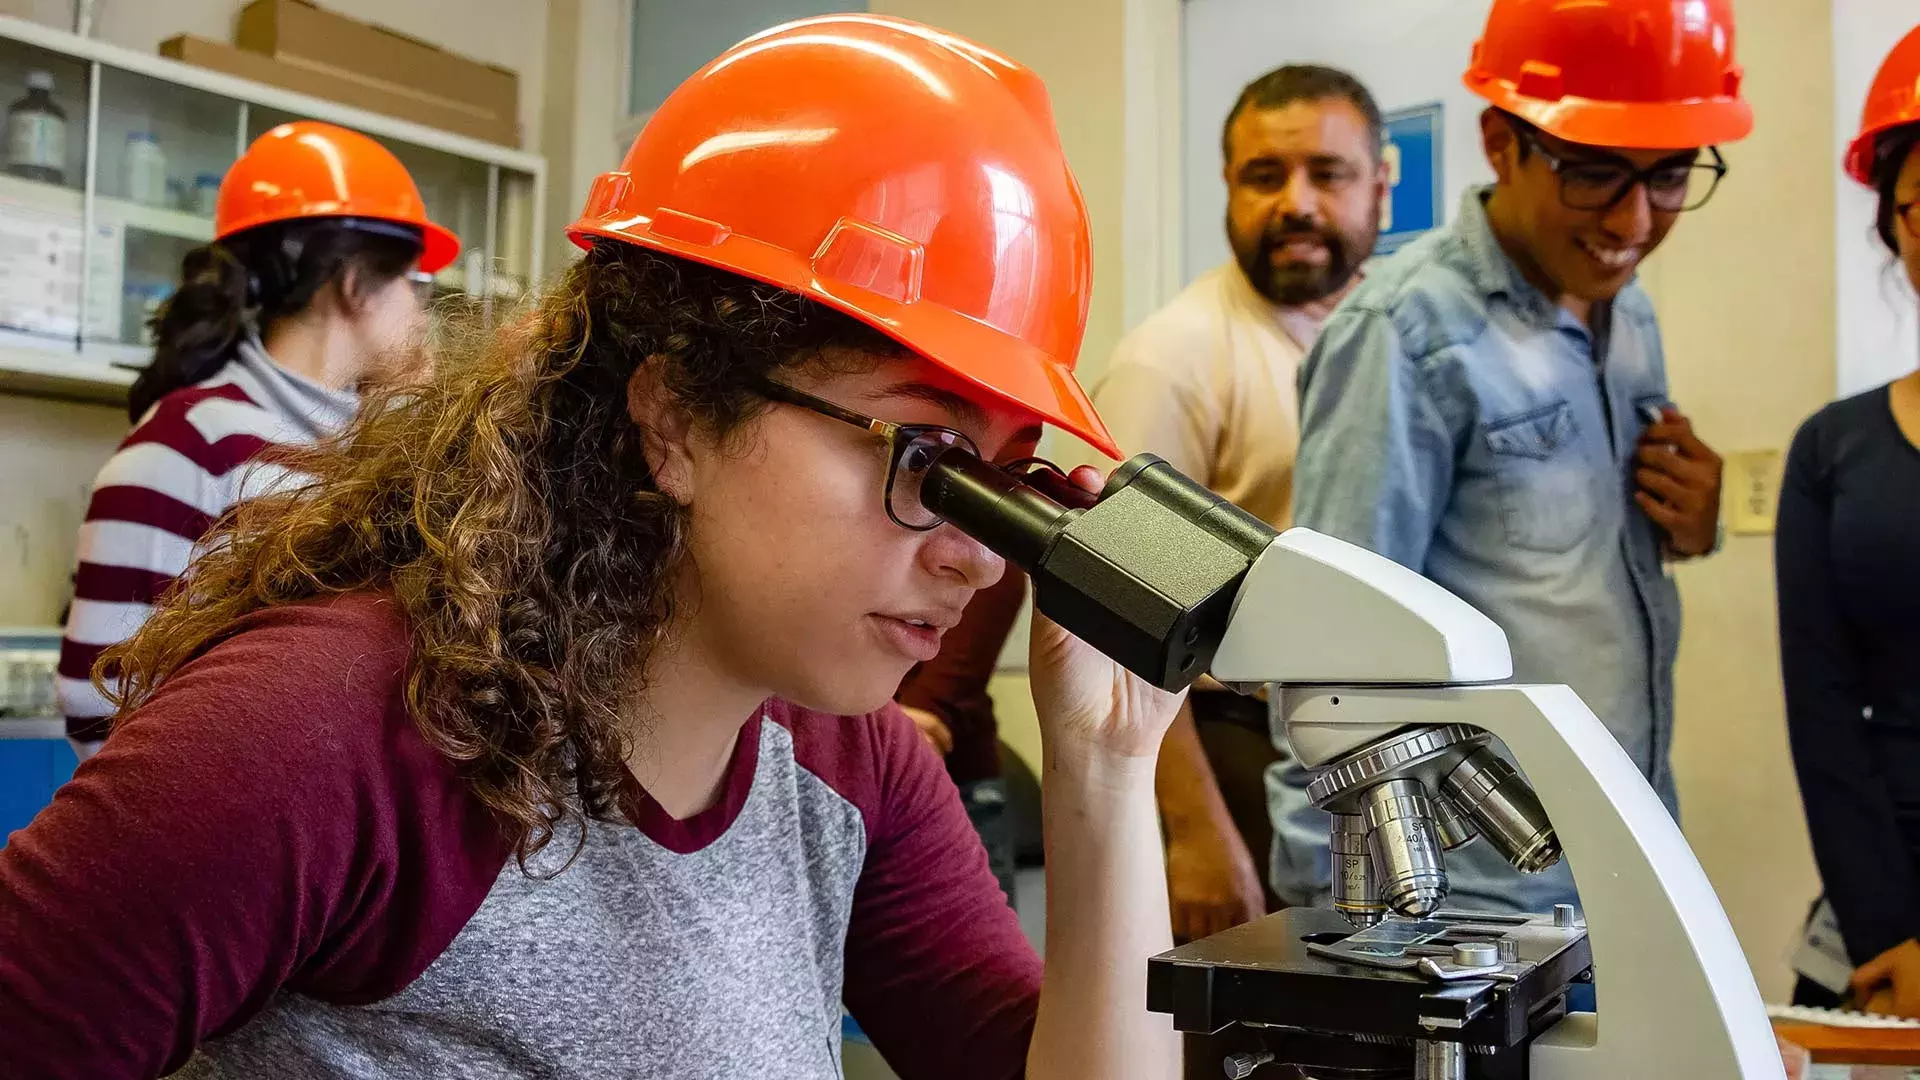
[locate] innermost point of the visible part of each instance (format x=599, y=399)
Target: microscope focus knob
x=1242, y=1065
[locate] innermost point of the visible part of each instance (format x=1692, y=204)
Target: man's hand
x=1212, y=884
x=1679, y=481
x=932, y=728
x=1889, y=984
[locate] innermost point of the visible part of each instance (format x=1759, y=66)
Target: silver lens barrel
x=1356, y=890
x=1455, y=828
x=1498, y=800
x=1406, y=851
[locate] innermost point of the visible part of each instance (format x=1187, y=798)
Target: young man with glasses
x=1491, y=408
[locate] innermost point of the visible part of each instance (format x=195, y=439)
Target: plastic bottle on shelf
x=146, y=169
x=37, y=133
x=142, y=301
x=206, y=194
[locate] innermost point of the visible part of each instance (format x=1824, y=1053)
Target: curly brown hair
x=509, y=509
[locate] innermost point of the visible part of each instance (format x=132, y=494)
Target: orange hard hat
x=307, y=169
x=1653, y=74
x=903, y=175
x=1894, y=101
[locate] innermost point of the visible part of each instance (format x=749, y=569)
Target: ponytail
x=196, y=330
x=240, y=284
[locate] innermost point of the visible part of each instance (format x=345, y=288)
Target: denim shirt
x=1455, y=419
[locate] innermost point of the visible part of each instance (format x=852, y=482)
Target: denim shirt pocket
x=1546, y=500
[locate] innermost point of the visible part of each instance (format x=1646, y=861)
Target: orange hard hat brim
x=1860, y=152
x=1003, y=367
x=1678, y=125
x=438, y=249
x=438, y=245
x=1859, y=159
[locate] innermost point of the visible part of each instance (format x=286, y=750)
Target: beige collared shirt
x=1209, y=383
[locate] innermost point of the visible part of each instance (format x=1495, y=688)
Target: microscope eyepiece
x=1146, y=572
x=1016, y=516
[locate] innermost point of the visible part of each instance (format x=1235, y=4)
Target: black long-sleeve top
x=1847, y=565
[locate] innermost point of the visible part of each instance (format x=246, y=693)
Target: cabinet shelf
x=53, y=198
x=97, y=371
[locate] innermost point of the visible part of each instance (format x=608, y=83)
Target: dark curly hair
x=509, y=509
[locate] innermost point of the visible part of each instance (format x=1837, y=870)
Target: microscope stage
x=1310, y=969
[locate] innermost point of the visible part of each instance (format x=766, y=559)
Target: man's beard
x=1295, y=284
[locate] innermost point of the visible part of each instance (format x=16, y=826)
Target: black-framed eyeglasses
x=1672, y=187
x=911, y=450
x=422, y=283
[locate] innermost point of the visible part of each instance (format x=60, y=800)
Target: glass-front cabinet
x=110, y=161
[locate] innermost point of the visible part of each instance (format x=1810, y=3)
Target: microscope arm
x=1313, y=609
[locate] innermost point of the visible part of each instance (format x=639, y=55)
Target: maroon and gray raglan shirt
x=268, y=873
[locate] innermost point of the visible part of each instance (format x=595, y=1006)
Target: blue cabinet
x=33, y=764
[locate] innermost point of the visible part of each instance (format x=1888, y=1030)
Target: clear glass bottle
x=37, y=133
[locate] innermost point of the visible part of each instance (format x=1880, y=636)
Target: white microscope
x=1393, y=692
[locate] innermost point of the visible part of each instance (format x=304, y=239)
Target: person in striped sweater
x=321, y=245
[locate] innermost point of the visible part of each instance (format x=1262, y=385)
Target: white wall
x=1878, y=338
x=583, y=133
x=49, y=453
x=1407, y=52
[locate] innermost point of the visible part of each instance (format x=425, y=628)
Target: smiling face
x=805, y=587
x=1304, y=183
x=1587, y=255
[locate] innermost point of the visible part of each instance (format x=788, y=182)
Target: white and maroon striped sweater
x=188, y=461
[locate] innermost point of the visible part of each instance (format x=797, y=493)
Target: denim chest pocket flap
x=1536, y=433
x=1547, y=500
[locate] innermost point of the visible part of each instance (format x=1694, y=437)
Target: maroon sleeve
x=269, y=820
x=953, y=685
x=939, y=974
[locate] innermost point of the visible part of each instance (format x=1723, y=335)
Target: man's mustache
x=1290, y=230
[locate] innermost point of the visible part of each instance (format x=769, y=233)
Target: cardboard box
x=219, y=56
x=301, y=34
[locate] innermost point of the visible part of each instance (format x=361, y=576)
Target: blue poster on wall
x=1415, y=187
